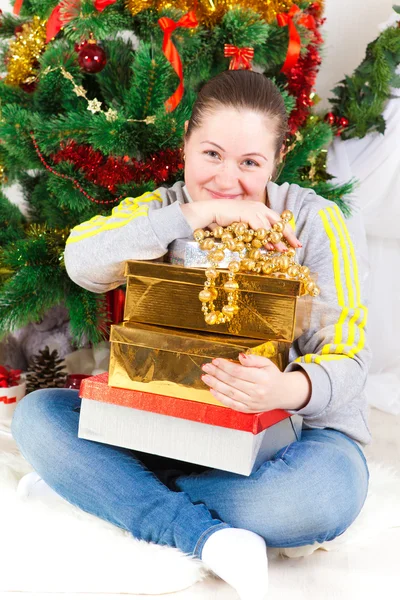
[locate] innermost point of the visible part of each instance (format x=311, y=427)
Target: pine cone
x=46, y=370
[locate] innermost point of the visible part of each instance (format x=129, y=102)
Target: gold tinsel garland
x=25, y=51
x=209, y=12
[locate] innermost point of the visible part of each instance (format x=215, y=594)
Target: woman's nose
x=227, y=176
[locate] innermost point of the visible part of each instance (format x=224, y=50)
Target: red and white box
x=204, y=434
x=9, y=397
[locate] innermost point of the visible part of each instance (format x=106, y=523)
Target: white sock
x=239, y=557
x=33, y=486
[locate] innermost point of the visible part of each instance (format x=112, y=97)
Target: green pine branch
x=361, y=97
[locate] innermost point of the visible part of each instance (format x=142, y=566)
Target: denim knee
x=33, y=415
x=315, y=494
x=26, y=414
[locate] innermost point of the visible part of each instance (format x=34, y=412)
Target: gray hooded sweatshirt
x=333, y=351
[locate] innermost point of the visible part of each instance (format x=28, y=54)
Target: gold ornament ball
x=198, y=235
x=205, y=296
x=231, y=286
x=211, y=318
x=211, y=273
x=229, y=311
x=217, y=256
x=287, y=215
x=218, y=231
x=234, y=266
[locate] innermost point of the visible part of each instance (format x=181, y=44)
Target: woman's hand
x=256, y=384
x=224, y=212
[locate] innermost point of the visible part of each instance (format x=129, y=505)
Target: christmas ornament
x=23, y=54
x=110, y=171
x=168, y=26
x=46, y=370
x=92, y=58
x=238, y=237
x=340, y=123
x=241, y=57
x=301, y=80
x=94, y=106
x=286, y=19
x=330, y=118
x=75, y=183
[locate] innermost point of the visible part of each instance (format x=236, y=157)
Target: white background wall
x=350, y=25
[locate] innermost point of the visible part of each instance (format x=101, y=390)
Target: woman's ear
x=186, y=126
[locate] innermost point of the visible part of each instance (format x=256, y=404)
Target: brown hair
x=242, y=89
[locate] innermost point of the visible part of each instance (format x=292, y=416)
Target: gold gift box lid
x=260, y=284
x=270, y=308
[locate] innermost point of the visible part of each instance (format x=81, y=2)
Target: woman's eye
x=251, y=163
x=212, y=153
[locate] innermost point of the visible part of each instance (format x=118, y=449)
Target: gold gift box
x=168, y=361
x=271, y=308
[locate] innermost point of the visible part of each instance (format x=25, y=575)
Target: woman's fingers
x=289, y=234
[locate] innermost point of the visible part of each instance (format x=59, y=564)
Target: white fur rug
x=55, y=547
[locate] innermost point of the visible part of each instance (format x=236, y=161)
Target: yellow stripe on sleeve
x=346, y=280
x=128, y=210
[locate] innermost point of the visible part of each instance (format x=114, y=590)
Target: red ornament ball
x=343, y=122
x=92, y=58
x=330, y=118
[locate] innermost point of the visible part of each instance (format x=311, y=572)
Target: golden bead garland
x=239, y=237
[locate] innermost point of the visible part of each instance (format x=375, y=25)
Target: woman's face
x=230, y=156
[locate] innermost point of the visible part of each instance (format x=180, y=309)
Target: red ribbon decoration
x=100, y=5
x=168, y=26
x=17, y=6
x=241, y=57
x=54, y=23
x=293, y=52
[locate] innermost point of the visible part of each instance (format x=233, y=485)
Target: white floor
x=368, y=572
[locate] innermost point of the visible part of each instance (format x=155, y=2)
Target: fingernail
x=242, y=355
x=299, y=245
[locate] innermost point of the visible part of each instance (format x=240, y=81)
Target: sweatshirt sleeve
x=333, y=351
x=138, y=228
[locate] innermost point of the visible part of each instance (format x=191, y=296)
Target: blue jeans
x=311, y=491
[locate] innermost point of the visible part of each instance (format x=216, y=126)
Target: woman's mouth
x=223, y=196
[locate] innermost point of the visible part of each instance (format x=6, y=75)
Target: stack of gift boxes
x=153, y=398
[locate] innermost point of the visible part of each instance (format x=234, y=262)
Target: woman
x=313, y=489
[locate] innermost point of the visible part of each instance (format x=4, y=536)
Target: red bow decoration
x=9, y=378
x=293, y=52
x=241, y=57
x=168, y=26
x=100, y=5
x=67, y=10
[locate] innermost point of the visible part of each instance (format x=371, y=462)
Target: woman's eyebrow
x=248, y=153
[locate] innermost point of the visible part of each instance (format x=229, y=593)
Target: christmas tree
x=93, y=103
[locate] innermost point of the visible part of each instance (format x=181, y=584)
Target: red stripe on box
x=7, y=400
x=97, y=388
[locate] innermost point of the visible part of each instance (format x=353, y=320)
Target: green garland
x=361, y=98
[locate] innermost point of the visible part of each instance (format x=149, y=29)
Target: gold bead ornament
x=239, y=237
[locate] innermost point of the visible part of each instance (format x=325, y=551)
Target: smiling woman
x=311, y=490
